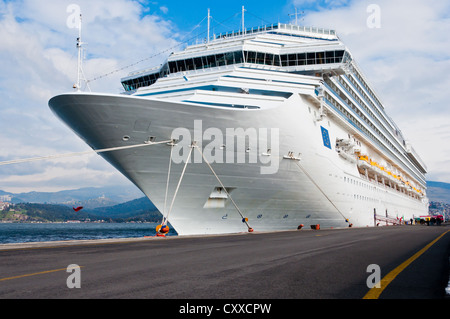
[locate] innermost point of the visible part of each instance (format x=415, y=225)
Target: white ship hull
x=290, y=126
x=321, y=188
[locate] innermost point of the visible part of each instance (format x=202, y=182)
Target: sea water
x=37, y=232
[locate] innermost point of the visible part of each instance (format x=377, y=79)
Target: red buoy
x=164, y=229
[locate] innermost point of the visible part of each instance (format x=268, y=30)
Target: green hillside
x=136, y=210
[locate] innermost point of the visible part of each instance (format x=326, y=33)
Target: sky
x=402, y=47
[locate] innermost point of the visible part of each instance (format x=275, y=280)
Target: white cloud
x=38, y=60
x=164, y=9
x=68, y=174
x=407, y=62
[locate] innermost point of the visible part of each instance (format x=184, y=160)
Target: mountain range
x=121, y=202
x=90, y=197
x=140, y=209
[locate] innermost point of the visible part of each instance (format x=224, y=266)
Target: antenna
x=243, y=24
x=79, y=48
x=209, y=18
x=296, y=16
x=80, y=72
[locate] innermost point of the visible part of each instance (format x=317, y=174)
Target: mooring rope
x=166, y=218
x=244, y=220
x=320, y=189
x=40, y=158
x=168, y=178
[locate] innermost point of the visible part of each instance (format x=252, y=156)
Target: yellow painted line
x=374, y=293
x=35, y=274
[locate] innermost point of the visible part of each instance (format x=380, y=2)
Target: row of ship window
x=256, y=58
x=372, y=188
x=230, y=58
x=369, y=122
x=358, y=123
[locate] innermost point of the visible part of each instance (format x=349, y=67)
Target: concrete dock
x=301, y=264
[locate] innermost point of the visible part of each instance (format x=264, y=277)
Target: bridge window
x=329, y=57
x=230, y=58
x=312, y=58
x=250, y=57
x=198, y=63
x=210, y=61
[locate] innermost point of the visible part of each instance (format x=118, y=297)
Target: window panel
x=251, y=57
x=329, y=57
x=320, y=58
x=220, y=59
x=269, y=59
x=164, y=70
x=180, y=65
x=338, y=56
x=172, y=67
x=301, y=58
x=238, y=57
x=310, y=58
x=229, y=58
x=276, y=60
x=211, y=61
x=198, y=63
x=205, y=61
x=292, y=59
x=189, y=64
x=260, y=57
x=347, y=57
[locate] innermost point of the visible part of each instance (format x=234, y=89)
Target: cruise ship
x=263, y=129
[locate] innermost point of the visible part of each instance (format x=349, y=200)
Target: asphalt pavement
x=293, y=265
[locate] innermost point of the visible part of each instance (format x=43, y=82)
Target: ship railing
x=387, y=187
x=238, y=33
x=387, y=219
x=265, y=28
x=279, y=26
x=293, y=27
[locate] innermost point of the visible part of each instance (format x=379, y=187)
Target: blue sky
x=406, y=60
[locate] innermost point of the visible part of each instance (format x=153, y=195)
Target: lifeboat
x=363, y=162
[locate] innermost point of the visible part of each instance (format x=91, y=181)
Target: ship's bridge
x=283, y=47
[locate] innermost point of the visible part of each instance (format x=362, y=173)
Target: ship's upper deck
x=284, y=47
x=294, y=50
